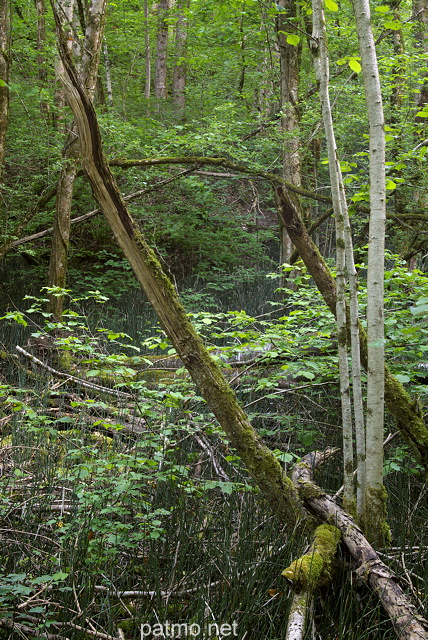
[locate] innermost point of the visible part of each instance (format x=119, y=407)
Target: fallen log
x=407, y=624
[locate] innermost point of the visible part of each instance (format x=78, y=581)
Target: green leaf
x=383, y=8
x=16, y=577
x=93, y=373
x=355, y=65
x=42, y=579
x=60, y=575
x=401, y=377
x=419, y=310
x=293, y=39
x=331, y=5
x=394, y=25
x=285, y=457
x=390, y=185
x=15, y=315
x=226, y=487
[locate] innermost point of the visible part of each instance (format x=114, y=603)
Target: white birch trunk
x=299, y=614
x=344, y=262
x=374, y=508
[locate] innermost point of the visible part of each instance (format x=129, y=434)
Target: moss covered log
x=313, y=569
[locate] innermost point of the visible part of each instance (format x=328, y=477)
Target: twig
x=33, y=597
x=24, y=629
x=152, y=594
x=94, y=634
x=66, y=376
x=206, y=447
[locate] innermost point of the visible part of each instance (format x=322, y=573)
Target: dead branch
x=407, y=624
x=66, y=376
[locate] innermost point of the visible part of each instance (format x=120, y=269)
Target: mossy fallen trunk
x=313, y=569
x=308, y=573
x=407, y=623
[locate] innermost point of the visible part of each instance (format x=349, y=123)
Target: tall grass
x=90, y=511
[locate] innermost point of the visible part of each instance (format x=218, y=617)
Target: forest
x=214, y=319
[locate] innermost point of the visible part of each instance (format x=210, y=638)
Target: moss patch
x=313, y=569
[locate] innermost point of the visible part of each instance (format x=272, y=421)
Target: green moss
x=374, y=522
x=305, y=572
x=313, y=569
x=326, y=539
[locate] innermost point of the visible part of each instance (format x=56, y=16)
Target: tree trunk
x=374, y=504
x=108, y=74
x=58, y=262
x=161, y=50
x=179, y=71
x=400, y=404
x=4, y=78
x=369, y=567
x=94, y=30
x=41, y=57
x=204, y=371
x=289, y=55
x=278, y=489
x=147, y=51
x=420, y=19
x=321, y=65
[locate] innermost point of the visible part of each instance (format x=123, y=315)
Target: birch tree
x=346, y=272
x=374, y=508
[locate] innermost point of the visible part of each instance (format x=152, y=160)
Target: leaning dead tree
x=291, y=500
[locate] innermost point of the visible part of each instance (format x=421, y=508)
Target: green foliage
x=97, y=490
x=124, y=496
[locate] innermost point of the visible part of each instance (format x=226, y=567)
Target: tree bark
x=91, y=51
x=321, y=65
x=4, y=78
x=289, y=55
x=41, y=57
x=278, y=489
x=370, y=569
x=375, y=499
x=346, y=272
x=420, y=19
x=161, y=50
x=179, y=71
x=147, y=52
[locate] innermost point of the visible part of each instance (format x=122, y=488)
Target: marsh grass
x=89, y=511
